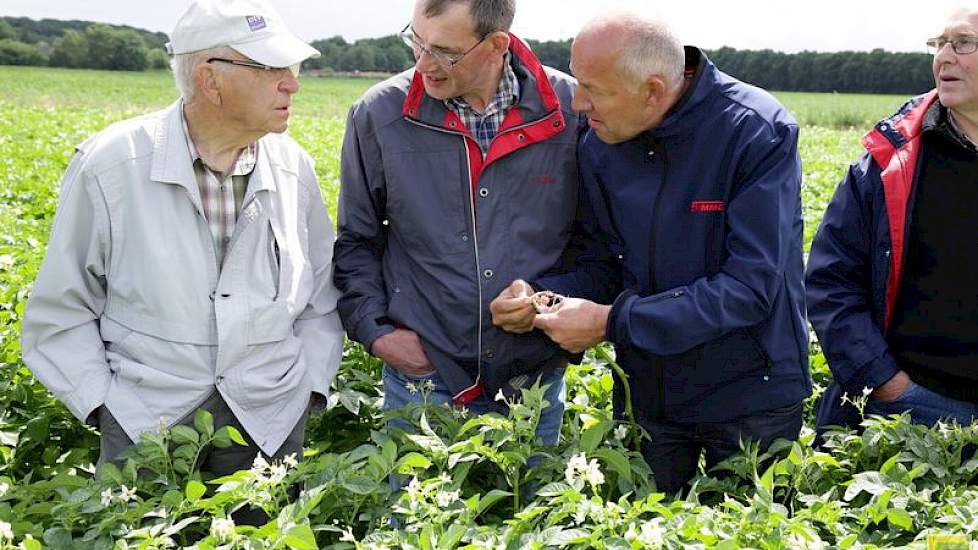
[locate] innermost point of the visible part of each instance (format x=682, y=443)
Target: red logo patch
x=707, y=206
x=544, y=180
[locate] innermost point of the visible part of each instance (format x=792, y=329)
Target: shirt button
x=220, y=379
x=483, y=192
x=488, y=274
x=489, y=354
x=465, y=238
x=226, y=240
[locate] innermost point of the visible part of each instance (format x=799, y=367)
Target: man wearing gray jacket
x=457, y=176
x=189, y=266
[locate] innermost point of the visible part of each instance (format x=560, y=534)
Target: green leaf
x=871, y=482
x=172, y=498
x=411, y=461
x=195, y=490
x=222, y=439
x=236, y=436
x=184, y=434
x=490, y=498
x=594, y=436
x=204, y=422
x=31, y=544
x=301, y=537
x=900, y=518
x=567, y=537
x=616, y=460
x=554, y=489
x=58, y=537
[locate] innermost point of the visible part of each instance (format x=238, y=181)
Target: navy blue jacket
x=693, y=230
x=856, y=261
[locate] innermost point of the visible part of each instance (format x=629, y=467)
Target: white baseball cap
x=252, y=27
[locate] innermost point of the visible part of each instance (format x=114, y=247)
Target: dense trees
x=79, y=44
x=83, y=44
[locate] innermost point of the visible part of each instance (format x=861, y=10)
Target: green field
x=892, y=486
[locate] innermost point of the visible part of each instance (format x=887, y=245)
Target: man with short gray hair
x=688, y=257
x=189, y=265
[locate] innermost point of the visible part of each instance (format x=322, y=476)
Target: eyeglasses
x=278, y=71
x=962, y=45
x=445, y=60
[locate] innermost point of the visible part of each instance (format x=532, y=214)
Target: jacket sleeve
x=318, y=326
x=361, y=236
x=60, y=339
x=763, y=211
x=839, y=283
x=589, y=268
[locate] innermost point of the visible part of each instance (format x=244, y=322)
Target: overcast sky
x=822, y=25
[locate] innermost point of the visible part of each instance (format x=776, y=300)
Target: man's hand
x=513, y=310
x=402, y=350
x=892, y=389
x=576, y=325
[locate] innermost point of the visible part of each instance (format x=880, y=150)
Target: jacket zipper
x=475, y=246
x=478, y=269
x=657, y=363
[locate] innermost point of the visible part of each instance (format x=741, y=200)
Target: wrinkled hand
x=513, y=309
x=402, y=350
x=575, y=325
x=892, y=389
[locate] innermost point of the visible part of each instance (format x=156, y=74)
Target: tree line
x=83, y=44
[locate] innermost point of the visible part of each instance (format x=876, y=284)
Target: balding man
x=892, y=271
x=189, y=266
x=689, y=254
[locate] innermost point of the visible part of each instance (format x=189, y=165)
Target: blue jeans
x=397, y=395
x=926, y=407
x=673, y=453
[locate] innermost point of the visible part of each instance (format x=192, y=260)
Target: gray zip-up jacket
x=130, y=310
x=431, y=230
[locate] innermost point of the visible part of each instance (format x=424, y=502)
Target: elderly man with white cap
x=190, y=263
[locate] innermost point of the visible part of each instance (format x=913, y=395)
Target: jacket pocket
x=696, y=374
x=274, y=253
x=270, y=323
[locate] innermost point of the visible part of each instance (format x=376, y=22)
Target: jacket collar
x=704, y=77
x=893, y=133
x=537, y=96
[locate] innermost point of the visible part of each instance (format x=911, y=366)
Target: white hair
x=650, y=48
x=185, y=65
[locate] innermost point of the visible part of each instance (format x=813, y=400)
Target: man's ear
x=208, y=82
x=656, y=91
x=500, y=42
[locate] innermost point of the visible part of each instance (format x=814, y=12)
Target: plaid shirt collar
x=243, y=166
x=221, y=195
x=484, y=126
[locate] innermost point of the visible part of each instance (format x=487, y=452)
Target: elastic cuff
x=872, y=375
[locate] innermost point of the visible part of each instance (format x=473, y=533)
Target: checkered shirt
x=484, y=126
x=222, y=195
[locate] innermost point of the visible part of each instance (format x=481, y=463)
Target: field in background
x=45, y=112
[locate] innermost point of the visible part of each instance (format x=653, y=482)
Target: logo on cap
x=256, y=23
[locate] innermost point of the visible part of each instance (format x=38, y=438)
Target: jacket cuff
x=614, y=331
x=369, y=330
x=872, y=375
